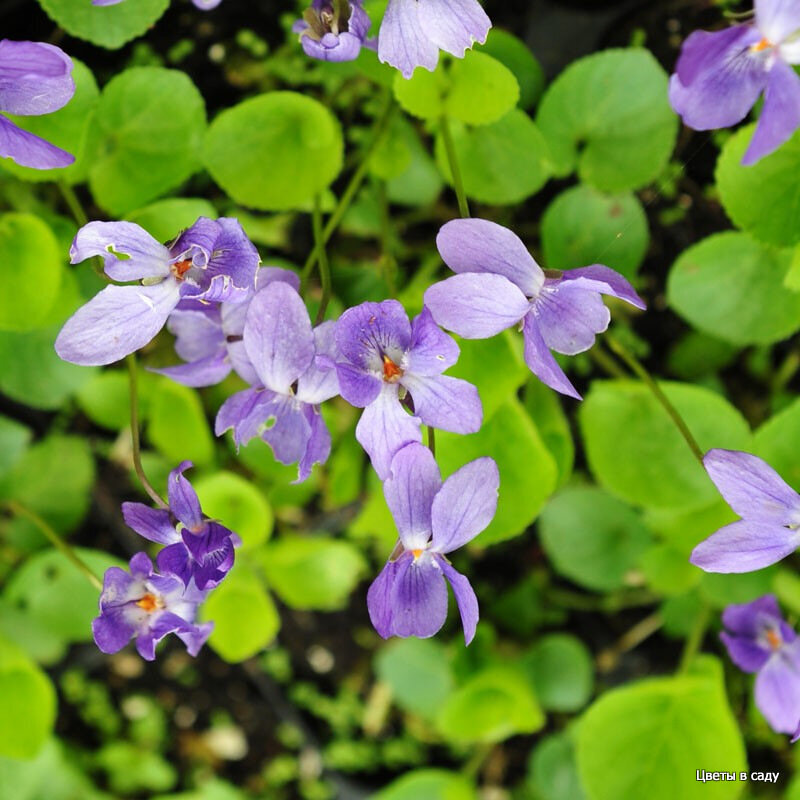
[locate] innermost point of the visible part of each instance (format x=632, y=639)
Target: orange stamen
x=148, y=603
x=773, y=639
x=762, y=45
x=416, y=553
x=180, y=268
x=390, y=370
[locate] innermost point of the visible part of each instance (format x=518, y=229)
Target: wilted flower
x=146, y=606
x=414, y=31
x=333, y=30
x=289, y=382
x=385, y=360
x=758, y=640
x=197, y=549
x=770, y=509
x=719, y=76
x=210, y=337
x=409, y=597
x=500, y=286
x=35, y=78
x=212, y=260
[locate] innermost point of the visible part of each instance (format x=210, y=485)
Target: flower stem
x=137, y=452
x=21, y=511
x=322, y=259
x=73, y=203
x=639, y=370
x=695, y=639
x=432, y=440
x=378, y=130
x=455, y=169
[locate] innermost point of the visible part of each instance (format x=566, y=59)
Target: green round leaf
x=502, y=163
x=592, y=538
x=583, y=226
x=418, y=672
x=245, y=618
x=724, y=284
x=177, y=425
x=515, y=55
x=762, y=198
x=30, y=271
x=422, y=95
x=106, y=26
x=482, y=90
x=562, y=672
x=492, y=705
x=72, y=128
x=237, y=504
x=636, y=451
x=311, y=572
x=164, y=219
x=776, y=442
x=608, y=116
x=14, y=438
x=648, y=740
x=275, y=151
x=552, y=771
x=431, y=784
x=152, y=122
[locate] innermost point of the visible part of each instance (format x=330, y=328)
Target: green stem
x=432, y=440
x=638, y=369
x=137, y=449
x=21, y=511
x=695, y=639
x=322, y=259
x=378, y=130
x=455, y=169
x=73, y=203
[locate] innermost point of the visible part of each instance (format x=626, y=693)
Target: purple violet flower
x=198, y=550
x=35, y=78
x=146, y=606
x=388, y=361
x=770, y=509
x=414, y=31
x=282, y=406
x=409, y=596
x=333, y=30
x=211, y=261
x=203, y=5
x=500, y=286
x=720, y=75
x=758, y=640
x=210, y=337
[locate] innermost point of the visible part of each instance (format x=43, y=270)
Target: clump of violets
x=414, y=31
x=35, y=79
x=289, y=380
x=770, y=510
x=392, y=368
x=145, y=606
x=333, y=30
x=196, y=549
x=500, y=286
x=760, y=641
x=210, y=337
x=409, y=596
x=720, y=76
x=213, y=260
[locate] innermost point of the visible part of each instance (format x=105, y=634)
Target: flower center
x=391, y=372
x=764, y=44
x=773, y=639
x=416, y=554
x=150, y=603
x=180, y=268
x=333, y=18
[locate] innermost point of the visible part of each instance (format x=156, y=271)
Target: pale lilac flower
x=720, y=75
x=500, y=286
x=409, y=596
x=204, y=5
x=145, y=606
x=333, y=30
x=198, y=550
x=282, y=407
x=210, y=337
x=758, y=640
x=770, y=509
x=388, y=361
x=211, y=261
x=35, y=78
x=414, y=31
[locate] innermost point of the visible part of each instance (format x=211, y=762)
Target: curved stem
x=379, y=128
x=638, y=369
x=695, y=639
x=322, y=259
x=137, y=451
x=21, y=511
x=455, y=168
